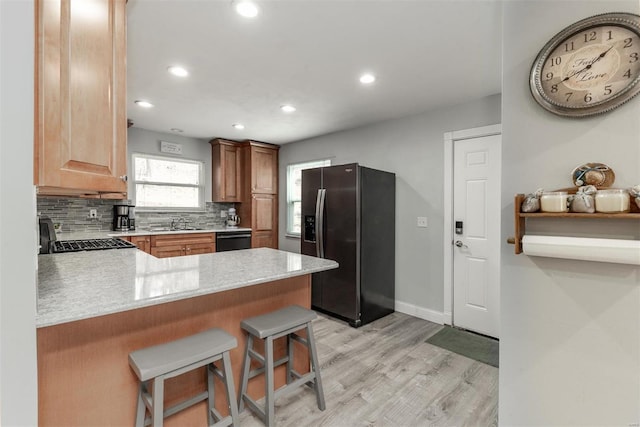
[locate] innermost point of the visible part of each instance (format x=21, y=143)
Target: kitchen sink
x=175, y=229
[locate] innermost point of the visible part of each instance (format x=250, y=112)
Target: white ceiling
x=309, y=53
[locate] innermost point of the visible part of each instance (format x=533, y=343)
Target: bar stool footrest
x=253, y=405
x=220, y=420
x=179, y=406
x=304, y=379
x=260, y=370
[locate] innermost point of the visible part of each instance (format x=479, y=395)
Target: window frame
x=308, y=164
x=201, y=186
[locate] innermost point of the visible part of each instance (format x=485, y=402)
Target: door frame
x=449, y=139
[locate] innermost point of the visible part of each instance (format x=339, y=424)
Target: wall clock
x=590, y=67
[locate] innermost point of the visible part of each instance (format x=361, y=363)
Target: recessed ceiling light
x=145, y=104
x=238, y=126
x=176, y=130
x=178, y=71
x=246, y=8
x=288, y=108
x=367, y=79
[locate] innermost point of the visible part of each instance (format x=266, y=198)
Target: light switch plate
x=422, y=221
x=223, y=214
x=93, y=213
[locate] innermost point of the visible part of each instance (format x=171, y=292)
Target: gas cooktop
x=90, y=245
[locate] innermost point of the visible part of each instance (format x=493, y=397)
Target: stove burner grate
x=60, y=246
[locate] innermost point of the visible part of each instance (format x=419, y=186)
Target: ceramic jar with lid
x=614, y=200
x=554, y=201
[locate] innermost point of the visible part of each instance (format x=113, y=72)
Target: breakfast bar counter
x=95, y=307
x=80, y=285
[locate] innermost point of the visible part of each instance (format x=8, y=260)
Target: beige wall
x=570, y=330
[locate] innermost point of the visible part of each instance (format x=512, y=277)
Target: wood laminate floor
x=384, y=374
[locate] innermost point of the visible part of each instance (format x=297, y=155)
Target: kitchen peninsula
x=95, y=307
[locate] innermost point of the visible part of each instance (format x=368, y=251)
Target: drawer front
x=162, y=240
x=199, y=248
x=167, y=251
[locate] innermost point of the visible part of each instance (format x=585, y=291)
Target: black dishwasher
x=233, y=240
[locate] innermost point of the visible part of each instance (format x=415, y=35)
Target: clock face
x=589, y=69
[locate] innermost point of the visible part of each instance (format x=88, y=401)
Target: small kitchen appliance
x=132, y=217
x=233, y=220
x=123, y=218
x=47, y=235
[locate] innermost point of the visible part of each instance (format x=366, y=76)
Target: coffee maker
x=124, y=218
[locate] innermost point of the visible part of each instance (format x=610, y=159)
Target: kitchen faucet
x=175, y=223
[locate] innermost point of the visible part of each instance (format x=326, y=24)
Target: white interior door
x=476, y=251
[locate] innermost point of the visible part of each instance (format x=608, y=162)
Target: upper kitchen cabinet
x=261, y=163
x=259, y=206
x=80, y=113
x=227, y=171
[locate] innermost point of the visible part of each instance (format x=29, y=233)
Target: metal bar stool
x=171, y=359
x=270, y=326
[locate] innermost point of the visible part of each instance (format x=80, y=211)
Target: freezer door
x=340, y=287
x=311, y=184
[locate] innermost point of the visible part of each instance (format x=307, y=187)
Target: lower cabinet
x=142, y=242
x=264, y=221
x=170, y=245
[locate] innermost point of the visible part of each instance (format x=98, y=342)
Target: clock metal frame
x=626, y=20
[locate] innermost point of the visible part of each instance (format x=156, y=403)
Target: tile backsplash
x=73, y=214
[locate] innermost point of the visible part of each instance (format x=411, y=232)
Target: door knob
x=460, y=244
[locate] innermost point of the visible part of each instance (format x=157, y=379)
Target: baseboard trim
x=420, y=312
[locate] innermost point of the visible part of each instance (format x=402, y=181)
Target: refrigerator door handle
x=317, y=223
x=320, y=222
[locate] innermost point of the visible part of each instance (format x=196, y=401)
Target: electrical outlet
x=223, y=214
x=93, y=213
x=422, y=221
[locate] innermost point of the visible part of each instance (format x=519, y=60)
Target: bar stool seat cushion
x=160, y=359
x=277, y=321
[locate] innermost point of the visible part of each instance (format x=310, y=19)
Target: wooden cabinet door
x=263, y=240
x=199, y=248
x=168, y=251
x=81, y=131
x=227, y=171
x=264, y=221
x=264, y=170
x=142, y=242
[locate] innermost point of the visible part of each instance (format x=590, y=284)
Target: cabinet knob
x=124, y=178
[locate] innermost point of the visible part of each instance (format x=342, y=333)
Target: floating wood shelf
x=521, y=218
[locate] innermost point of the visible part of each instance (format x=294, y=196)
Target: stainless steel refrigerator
x=348, y=215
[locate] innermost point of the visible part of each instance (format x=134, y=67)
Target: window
x=167, y=183
x=294, y=193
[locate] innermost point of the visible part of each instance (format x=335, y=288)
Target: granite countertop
x=80, y=285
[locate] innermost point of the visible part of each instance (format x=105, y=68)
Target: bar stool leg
x=211, y=398
x=269, y=404
x=157, y=414
x=290, y=358
x=246, y=366
x=140, y=408
x=231, y=390
x=316, y=368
